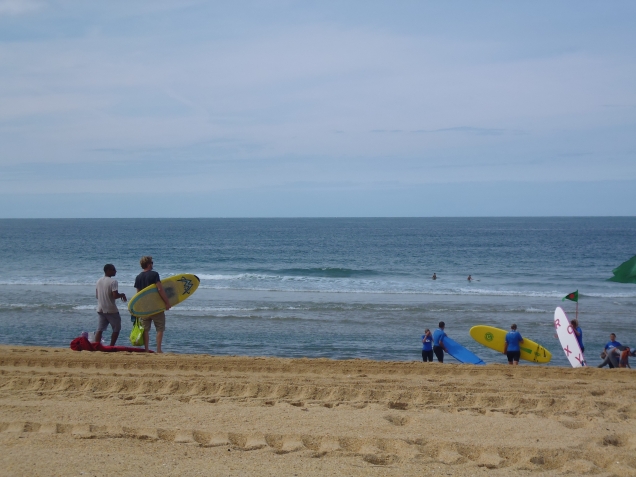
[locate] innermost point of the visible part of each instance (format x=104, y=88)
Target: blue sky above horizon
x=250, y=102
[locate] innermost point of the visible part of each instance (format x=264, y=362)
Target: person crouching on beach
x=610, y=354
x=106, y=292
x=512, y=349
x=145, y=279
x=438, y=342
x=427, y=346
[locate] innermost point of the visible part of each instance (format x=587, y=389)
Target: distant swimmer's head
x=109, y=270
x=513, y=327
x=441, y=325
x=145, y=261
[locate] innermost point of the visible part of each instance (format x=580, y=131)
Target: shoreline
x=131, y=413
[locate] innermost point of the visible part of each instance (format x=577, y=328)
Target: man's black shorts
x=439, y=353
x=513, y=356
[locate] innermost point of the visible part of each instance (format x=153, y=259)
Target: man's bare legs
x=159, y=339
x=146, y=337
x=113, y=338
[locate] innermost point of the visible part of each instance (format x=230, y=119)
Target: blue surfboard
x=460, y=353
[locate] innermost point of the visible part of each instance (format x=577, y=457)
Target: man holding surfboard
x=145, y=279
x=438, y=342
x=512, y=349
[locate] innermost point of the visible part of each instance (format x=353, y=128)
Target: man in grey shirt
x=106, y=292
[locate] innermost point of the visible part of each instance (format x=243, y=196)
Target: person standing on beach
x=578, y=332
x=145, y=279
x=438, y=342
x=512, y=349
x=106, y=292
x=427, y=346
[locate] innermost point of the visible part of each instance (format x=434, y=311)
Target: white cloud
x=19, y=7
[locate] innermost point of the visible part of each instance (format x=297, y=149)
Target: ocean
x=333, y=288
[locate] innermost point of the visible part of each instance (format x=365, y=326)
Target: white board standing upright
x=568, y=340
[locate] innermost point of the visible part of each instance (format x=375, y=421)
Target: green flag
x=625, y=272
x=574, y=296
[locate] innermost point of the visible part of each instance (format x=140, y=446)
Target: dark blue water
x=337, y=288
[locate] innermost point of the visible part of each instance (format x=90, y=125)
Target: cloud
x=19, y=7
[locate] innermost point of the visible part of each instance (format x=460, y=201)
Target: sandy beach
x=81, y=413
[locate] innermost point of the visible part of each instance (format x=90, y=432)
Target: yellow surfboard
x=148, y=302
x=495, y=338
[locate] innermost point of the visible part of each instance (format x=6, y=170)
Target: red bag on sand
x=82, y=344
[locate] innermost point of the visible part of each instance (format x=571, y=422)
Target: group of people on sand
x=433, y=344
x=107, y=292
x=614, y=354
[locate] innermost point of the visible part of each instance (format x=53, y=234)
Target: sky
x=333, y=108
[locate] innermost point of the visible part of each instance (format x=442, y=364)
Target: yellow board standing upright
x=148, y=302
x=495, y=338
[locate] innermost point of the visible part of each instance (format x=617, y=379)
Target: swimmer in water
x=434, y=276
x=470, y=279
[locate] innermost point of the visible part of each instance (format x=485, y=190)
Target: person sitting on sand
x=438, y=342
x=512, y=349
x=427, y=346
x=106, y=292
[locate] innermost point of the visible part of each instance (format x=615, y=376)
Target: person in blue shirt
x=512, y=349
x=427, y=346
x=612, y=343
x=578, y=332
x=438, y=342
x=610, y=355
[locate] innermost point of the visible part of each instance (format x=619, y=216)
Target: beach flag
x=625, y=272
x=574, y=296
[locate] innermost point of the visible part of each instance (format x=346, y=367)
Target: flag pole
x=577, y=311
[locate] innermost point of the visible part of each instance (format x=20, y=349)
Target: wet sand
x=65, y=412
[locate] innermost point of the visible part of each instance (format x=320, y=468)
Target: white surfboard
x=568, y=340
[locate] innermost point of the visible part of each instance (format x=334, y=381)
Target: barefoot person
x=611, y=354
x=145, y=279
x=512, y=349
x=438, y=342
x=106, y=292
x=427, y=346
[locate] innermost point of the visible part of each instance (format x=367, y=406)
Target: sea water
x=335, y=288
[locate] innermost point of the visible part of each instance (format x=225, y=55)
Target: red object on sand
x=82, y=344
